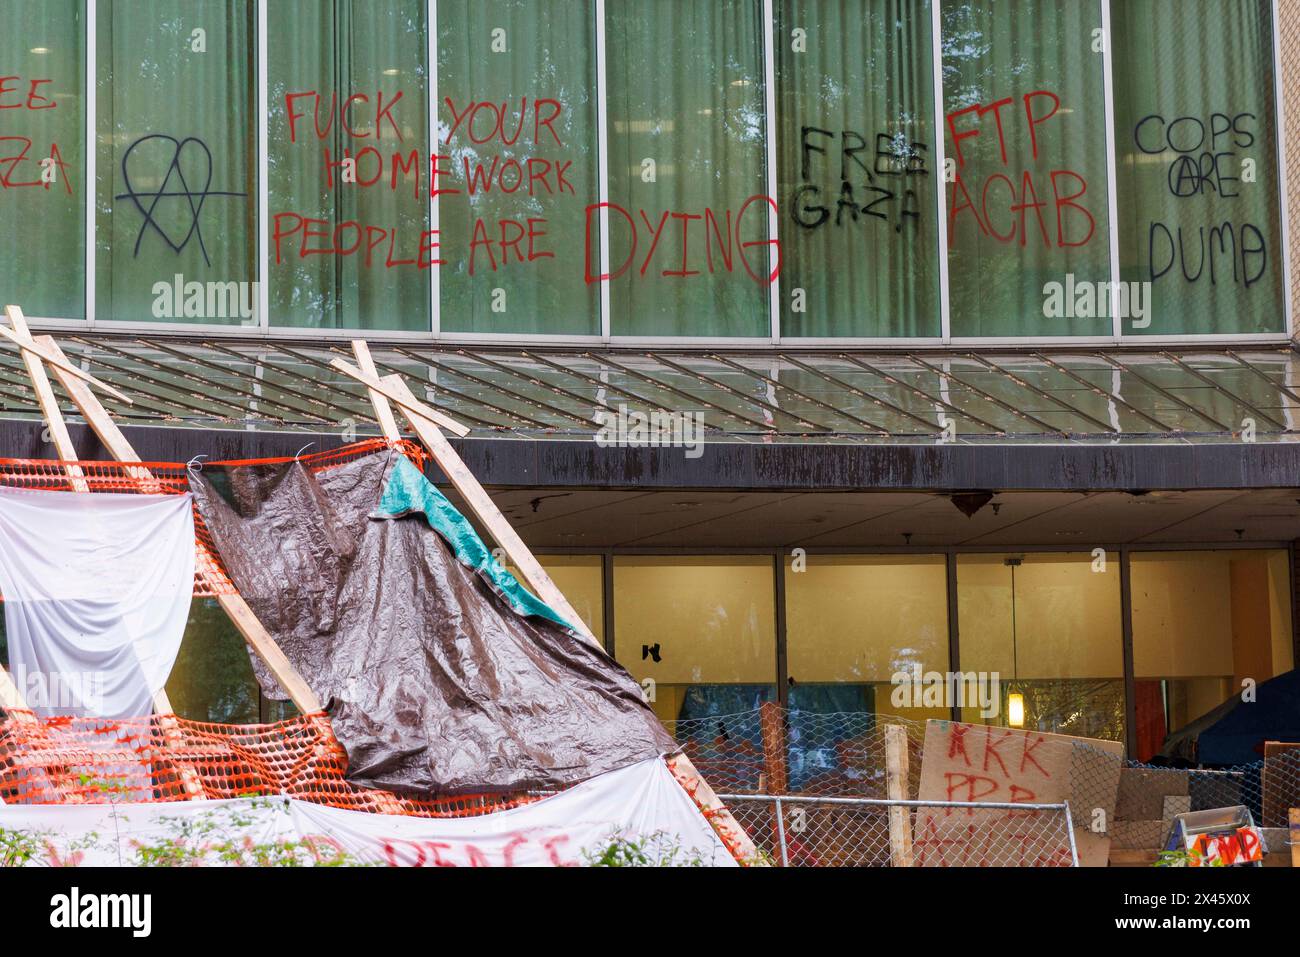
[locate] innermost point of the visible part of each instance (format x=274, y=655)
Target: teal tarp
x=409, y=491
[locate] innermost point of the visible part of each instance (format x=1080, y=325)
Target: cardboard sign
x=972, y=762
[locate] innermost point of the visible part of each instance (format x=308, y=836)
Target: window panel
x=42, y=117
x=176, y=230
x=1049, y=626
x=1202, y=623
x=703, y=628
x=688, y=229
x=581, y=580
x=1027, y=207
x=1198, y=178
x=854, y=621
x=857, y=188
x=513, y=224
x=349, y=254
x=212, y=679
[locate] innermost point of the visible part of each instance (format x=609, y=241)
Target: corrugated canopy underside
x=737, y=396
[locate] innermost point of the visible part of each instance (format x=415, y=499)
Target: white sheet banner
x=640, y=808
x=97, y=591
x=641, y=803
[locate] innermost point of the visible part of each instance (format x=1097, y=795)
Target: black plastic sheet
x=433, y=683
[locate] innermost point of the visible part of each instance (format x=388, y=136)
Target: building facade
x=811, y=342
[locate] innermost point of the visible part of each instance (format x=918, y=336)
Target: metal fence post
x=780, y=833
x=1069, y=829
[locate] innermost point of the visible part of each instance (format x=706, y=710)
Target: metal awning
x=786, y=395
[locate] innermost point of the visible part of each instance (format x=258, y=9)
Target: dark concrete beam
x=774, y=467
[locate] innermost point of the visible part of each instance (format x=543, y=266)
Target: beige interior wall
x=1252, y=638
x=580, y=579
x=714, y=618
x=1067, y=621
x=1207, y=620
x=1223, y=615
x=1279, y=603
x=1182, y=614
x=861, y=618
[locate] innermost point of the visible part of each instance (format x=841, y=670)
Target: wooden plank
x=715, y=812
x=265, y=648
x=383, y=414
x=22, y=338
x=722, y=820
x=896, y=775
x=91, y=408
x=12, y=700
x=100, y=422
x=1293, y=822
x=403, y=398
x=776, y=775
x=772, y=726
x=485, y=509
x=252, y=630
x=59, y=436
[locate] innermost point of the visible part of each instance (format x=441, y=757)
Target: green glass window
x=42, y=121
x=349, y=169
x=857, y=187
x=212, y=679
x=1024, y=97
x=517, y=134
x=1197, y=164
x=176, y=228
x=688, y=225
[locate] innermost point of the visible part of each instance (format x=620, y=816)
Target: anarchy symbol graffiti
x=177, y=199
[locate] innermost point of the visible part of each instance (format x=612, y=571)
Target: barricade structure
x=168, y=758
x=844, y=788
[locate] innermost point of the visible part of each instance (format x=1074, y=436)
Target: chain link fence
x=839, y=778
x=797, y=831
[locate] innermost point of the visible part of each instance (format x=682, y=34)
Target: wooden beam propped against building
x=425, y=421
x=36, y=352
x=12, y=701
x=234, y=605
x=76, y=382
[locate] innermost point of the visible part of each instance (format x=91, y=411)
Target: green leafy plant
x=214, y=838
x=656, y=850
x=18, y=847
x=1182, y=858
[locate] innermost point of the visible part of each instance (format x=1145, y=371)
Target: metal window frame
x=950, y=556
x=90, y=150
x=433, y=331
x=431, y=106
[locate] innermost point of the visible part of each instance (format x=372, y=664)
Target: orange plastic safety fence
x=319, y=461
x=97, y=761
x=172, y=478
